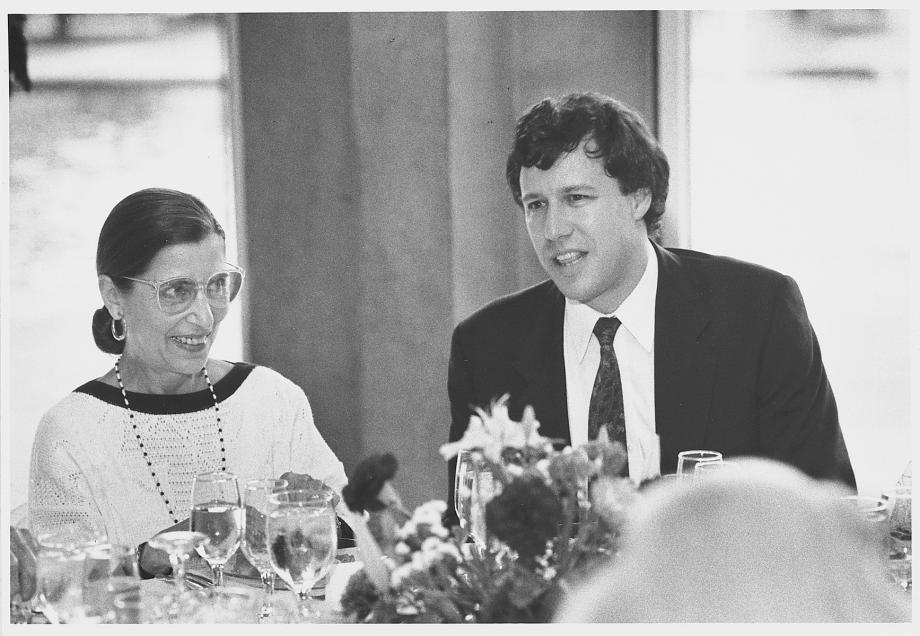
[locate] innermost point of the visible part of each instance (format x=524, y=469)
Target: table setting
x=535, y=522
x=289, y=537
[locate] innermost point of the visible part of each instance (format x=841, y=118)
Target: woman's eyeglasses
x=175, y=295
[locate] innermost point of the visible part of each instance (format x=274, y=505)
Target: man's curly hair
x=613, y=132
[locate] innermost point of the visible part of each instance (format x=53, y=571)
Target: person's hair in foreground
x=619, y=138
x=770, y=545
x=137, y=228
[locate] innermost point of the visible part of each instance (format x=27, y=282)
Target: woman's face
x=172, y=346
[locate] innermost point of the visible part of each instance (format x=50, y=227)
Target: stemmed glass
x=899, y=502
x=254, y=543
x=59, y=566
x=473, y=489
x=109, y=571
x=875, y=513
x=302, y=540
x=179, y=545
x=687, y=461
x=706, y=471
x=59, y=582
x=217, y=514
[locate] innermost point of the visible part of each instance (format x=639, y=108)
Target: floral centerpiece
x=553, y=516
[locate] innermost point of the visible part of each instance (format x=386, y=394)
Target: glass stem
x=218, y=574
x=306, y=610
x=268, y=582
x=178, y=565
x=268, y=588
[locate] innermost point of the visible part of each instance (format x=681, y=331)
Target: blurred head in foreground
x=765, y=544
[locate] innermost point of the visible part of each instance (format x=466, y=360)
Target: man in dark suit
x=695, y=351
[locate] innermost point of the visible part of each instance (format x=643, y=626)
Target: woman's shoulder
x=80, y=410
x=270, y=387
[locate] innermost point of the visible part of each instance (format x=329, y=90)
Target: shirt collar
x=636, y=312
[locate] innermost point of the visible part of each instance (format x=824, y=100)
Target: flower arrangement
x=552, y=517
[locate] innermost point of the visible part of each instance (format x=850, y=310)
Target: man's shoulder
x=713, y=269
x=514, y=309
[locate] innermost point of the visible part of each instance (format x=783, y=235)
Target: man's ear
x=642, y=200
x=111, y=296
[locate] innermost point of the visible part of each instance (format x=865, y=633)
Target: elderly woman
x=766, y=545
x=120, y=453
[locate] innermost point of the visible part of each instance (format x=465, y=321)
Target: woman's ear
x=111, y=296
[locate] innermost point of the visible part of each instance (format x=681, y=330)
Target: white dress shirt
x=634, y=346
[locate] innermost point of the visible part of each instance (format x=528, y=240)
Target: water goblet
x=59, y=583
x=302, y=541
x=463, y=490
x=178, y=545
x=874, y=512
x=475, y=487
x=687, y=461
x=254, y=543
x=59, y=569
x=900, y=555
x=109, y=570
x=708, y=471
x=217, y=514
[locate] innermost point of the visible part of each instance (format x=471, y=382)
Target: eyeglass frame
x=199, y=286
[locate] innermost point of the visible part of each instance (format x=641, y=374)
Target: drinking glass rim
x=216, y=475
x=311, y=497
x=198, y=538
x=104, y=550
x=259, y=482
x=879, y=504
x=703, y=467
x=689, y=453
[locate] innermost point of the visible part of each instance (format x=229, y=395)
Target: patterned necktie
x=606, y=408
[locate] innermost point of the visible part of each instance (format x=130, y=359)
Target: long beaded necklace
x=153, y=473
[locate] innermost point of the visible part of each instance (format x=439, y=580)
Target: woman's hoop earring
x=124, y=329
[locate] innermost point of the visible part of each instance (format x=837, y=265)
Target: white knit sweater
x=88, y=468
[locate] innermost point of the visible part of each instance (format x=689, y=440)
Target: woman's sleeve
x=59, y=492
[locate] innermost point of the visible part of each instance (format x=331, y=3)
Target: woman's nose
x=200, y=311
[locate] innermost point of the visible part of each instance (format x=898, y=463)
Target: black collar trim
x=171, y=404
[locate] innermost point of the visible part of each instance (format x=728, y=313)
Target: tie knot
x=605, y=329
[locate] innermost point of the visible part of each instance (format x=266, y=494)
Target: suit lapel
x=541, y=366
x=684, y=361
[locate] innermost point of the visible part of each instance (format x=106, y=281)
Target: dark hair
x=135, y=231
x=619, y=136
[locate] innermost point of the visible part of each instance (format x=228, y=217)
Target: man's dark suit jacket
x=737, y=365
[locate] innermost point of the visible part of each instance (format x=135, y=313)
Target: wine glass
x=179, y=545
x=109, y=570
x=463, y=490
x=216, y=513
x=900, y=555
x=475, y=486
x=253, y=543
x=59, y=582
x=687, y=461
x=874, y=512
x=59, y=569
x=302, y=540
x=708, y=471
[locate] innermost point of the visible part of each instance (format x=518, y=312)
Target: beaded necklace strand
x=153, y=473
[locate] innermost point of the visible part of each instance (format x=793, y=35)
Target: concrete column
x=301, y=216
x=400, y=113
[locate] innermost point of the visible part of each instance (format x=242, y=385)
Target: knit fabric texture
x=88, y=470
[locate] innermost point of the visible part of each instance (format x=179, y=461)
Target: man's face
x=589, y=237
